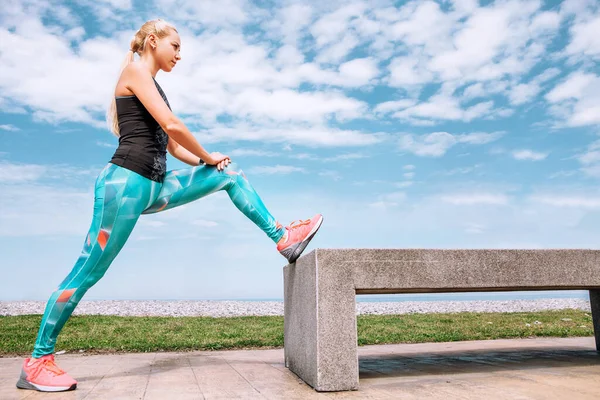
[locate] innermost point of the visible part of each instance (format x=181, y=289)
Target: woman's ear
x=151, y=40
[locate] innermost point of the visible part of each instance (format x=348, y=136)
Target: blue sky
x=428, y=124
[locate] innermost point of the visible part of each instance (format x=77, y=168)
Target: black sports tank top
x=142, y=142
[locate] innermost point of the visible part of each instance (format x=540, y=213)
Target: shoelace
x=49, y=366
x=299, y=224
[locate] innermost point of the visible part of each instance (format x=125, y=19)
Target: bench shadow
x=472, y=361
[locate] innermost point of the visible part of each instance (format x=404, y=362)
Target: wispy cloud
x=437, y=144
x=468, y=199
x=17, y=173
x=584, y=202
x=106, y=144
x=529, y=155
x=204, y=223
x=9, y=128
x=275, y=170
x=388, y=200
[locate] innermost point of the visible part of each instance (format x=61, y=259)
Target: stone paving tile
x=128, y=379
x=500, y=369
x=272, y=383
x=172, y=371
x=219, y=380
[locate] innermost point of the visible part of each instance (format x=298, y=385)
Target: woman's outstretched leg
x=120, y=197
x=185, y=185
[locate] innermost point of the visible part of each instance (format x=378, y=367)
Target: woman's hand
x=218, y=159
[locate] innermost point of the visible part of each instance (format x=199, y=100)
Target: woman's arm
x=180, y=153
x=139, y=80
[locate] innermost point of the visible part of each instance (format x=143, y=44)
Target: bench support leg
x=320, y=338
x=595, y=303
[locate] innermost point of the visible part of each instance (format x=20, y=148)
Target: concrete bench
x=320, y=293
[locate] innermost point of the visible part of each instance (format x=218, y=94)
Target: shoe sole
x=23, y=383
x=295, y=251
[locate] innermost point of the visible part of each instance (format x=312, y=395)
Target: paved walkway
x=499, y=369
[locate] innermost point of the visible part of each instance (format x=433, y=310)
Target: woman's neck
x=150, y=64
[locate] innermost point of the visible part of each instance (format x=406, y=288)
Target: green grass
x=102, y=334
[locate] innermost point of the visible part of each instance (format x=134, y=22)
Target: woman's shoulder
x=135, y=70
x=132, y=76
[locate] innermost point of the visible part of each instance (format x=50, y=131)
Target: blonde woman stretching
x=136, y=182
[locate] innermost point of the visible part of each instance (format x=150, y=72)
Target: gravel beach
x=216, y=308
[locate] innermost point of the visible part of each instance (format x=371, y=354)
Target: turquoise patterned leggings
x=121, y=196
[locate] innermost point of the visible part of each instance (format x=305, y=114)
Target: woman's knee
x=233, y=166
x=234, y=169
x=235, y=172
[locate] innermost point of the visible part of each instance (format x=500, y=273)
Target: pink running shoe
x=44, y=375
x=299, y=234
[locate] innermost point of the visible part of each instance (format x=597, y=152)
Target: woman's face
x=167, y=51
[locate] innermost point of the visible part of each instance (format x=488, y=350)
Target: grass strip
x=109, y=334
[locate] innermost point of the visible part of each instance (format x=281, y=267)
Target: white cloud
x=572, y=88
x=438, y=143
x=547, y=21
x=408, y=71
x=441, y=107
x=275, y=170
x=295, y=134
x=331, y=174
x=289, y=105
x=480, y=137
x=590, y=157
x=290, y=22
x=207, y=13
x=358, y=72
x=591, y=160
x=460, y=170
x=423, y=24
x=204, y=223
x=586, y=202
x=592, y=170
x=474, y=91
x=333, y=27
x=389, y=200
x=338, y=51
x=488, y=33
x=584, y=39
x=469, y=199
x=389, y=106
x=402, y=185
x=75, y=34
x=529, y=155
x=576, y=100
x=18, y=173
x=343, y=157
x=9, y=128
x=106, y=144
x=434, y=144
x=523, y=93
x=252, y=152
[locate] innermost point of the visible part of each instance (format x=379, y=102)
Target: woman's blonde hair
x=160, y=29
